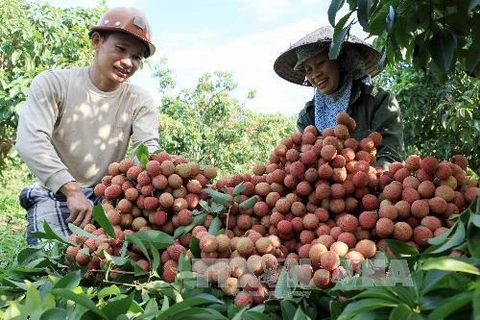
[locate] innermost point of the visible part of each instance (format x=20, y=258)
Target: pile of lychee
x=319, y=198
x=160, y=196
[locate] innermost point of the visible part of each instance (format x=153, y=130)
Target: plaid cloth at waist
x=44, y=205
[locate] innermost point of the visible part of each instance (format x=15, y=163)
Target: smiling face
x=118, y=57
x=323, y=73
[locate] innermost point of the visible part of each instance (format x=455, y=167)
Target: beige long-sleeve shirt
x=69, y=130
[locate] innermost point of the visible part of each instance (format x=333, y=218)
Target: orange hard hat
x=127, y=20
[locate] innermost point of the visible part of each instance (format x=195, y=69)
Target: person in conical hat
x=77, y=121
x=344, y=85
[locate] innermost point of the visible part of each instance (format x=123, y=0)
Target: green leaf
x=197, y=220
x=134, y=239
x=390, y=19
x=451, y=305
x=475, y=220
x=194, y=246
x=142, y=155
x=159, y=239
x=442, y=47
x=450, y=264
x=476, y=300
x=69, y=281
x=288, y=309
x=80, y=299
x=215, y=226
x=51, y=234
x=404, y=313
x=102, y=219
x=255, y=315
x=338, y=39
x=249, y=203
x=156, y=258
x=363, y=12
x=456, y=239
x=111, y=291
x=115, y=308
x=152, y=306
x=119, y=261
x=189, y=312
x=401, y=249
x=184, y=262
x=355, y=308
x=239, y=188
x=441, y=238
x=300, y=315
x=218, y=197
x=15, y=55
x=32, y=300
x=54, y=314
x=201, y=299
x=81, y=232
x=335, y=6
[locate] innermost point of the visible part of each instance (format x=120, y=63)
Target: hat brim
x=150, y=46
x=284, y=65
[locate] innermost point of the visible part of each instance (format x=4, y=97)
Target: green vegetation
x=12, y=215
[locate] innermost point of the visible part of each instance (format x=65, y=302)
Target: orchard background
x=433, y=70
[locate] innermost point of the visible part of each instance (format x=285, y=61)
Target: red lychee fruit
x=429, y=164
x=443, y=170
x=412, y=162
x=384, y=227
x=368, y=219
x=328, y=152
x=339, y=247
x=366, y=247
x=370, y=202
x=185, y=217
x=393, y=191
x=322, y=279
x=243, y=298
x=388, y=211
x=445, y=192
x=113, y=192
x=329, y=260
x=437, y=205
x=421, y=234
x=460, y=160
x=431, y=222
x=402, y=231
x=341, y=131
x=347, y=222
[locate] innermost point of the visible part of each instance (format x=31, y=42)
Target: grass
x=12, y=216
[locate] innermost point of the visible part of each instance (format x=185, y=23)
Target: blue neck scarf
x=327, y=106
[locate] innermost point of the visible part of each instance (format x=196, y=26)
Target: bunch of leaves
x=432, y=35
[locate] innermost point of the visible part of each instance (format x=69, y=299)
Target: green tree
x=36, y=36
x=440, y=119
x=432, y=34
x=209, y=126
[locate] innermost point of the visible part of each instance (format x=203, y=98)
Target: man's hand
x=78, y=204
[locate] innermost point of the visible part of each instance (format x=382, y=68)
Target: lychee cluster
x=418, y=198
x=319, y=197
x=160, y=196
